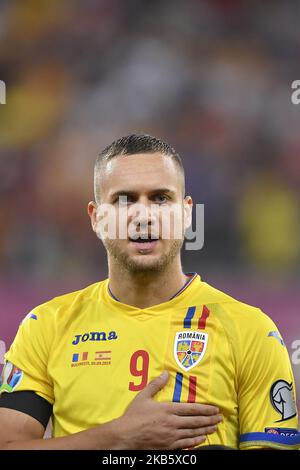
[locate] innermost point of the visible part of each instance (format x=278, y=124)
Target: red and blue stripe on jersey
x=187, y=323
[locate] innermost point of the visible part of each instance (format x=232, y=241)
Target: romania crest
x=189, y=348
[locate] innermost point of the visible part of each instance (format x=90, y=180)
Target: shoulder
x=63, y=303
x=236, y=312
x=251, y=333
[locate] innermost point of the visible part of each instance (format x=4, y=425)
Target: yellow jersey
x=88, y=355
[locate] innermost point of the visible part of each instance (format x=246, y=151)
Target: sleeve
x=26, y=363
x=266, y=388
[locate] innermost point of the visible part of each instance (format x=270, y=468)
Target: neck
x=143, y=290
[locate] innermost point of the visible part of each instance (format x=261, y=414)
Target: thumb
x=155, y=385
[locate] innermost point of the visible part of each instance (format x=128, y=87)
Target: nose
x=143, y=215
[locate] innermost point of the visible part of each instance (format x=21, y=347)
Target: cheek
x=121, y=225
x=111, y=223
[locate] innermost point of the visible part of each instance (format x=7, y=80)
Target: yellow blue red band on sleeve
x=263, y=438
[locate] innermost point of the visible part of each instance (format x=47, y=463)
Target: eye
x=161, y=198
x=124, y=199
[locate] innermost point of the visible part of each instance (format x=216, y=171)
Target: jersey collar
x=179, y=299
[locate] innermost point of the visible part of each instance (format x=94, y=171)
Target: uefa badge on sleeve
x=282, y=399
x=10, y=378
x=189, y=348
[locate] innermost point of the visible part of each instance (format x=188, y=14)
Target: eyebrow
x=124, y=192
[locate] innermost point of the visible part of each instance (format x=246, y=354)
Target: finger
x=192, y=422
x=188, y=443
x=193, y=409
x=203, y=431
x=155, y=385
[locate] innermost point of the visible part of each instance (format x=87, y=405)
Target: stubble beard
x=139, y=266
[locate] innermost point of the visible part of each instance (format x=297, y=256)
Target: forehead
x=140, y=172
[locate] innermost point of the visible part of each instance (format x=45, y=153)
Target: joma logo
x=95, y=336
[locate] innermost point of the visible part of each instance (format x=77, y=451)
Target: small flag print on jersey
x=96, y=358
x=10, y=378
x=189, y=348
x=80, y=357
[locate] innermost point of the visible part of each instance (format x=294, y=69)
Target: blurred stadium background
x=213, y=78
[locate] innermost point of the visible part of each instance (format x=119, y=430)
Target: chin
x=141, y=264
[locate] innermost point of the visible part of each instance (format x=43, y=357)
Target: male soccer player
x=95, y=359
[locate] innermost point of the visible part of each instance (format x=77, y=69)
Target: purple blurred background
x=213, y=78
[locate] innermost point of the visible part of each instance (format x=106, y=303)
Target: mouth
x=144, y=244
x=143, y=239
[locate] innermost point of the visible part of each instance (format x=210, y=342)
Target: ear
x=187, y=215
x=92, y=212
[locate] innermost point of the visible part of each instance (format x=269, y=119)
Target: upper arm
x=26, y=367
x=18, y=426
x=266, y=391
x=23, y=416
x=26, y=390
